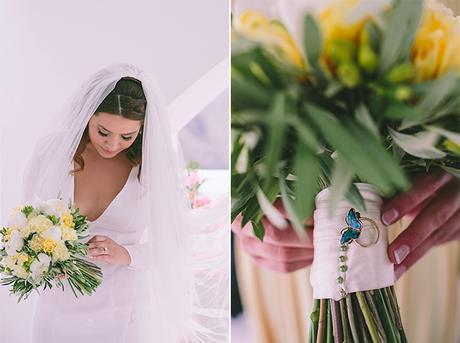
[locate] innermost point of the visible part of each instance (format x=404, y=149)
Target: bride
x=114, y=157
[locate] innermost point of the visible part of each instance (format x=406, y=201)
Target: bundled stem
x=368, y=316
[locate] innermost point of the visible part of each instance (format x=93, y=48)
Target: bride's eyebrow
x=123, y=134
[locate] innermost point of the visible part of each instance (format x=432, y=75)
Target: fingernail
x=399, y=271
x=91, y=257
x=401, y=253
x=390, y=216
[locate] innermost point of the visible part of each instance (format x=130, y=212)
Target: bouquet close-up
x=334, y=108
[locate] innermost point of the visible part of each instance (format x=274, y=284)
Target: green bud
x=341, y=50
x=367, y=58
x=451, y=146
x=349, y=75
x=403, y=93
x=400, y=73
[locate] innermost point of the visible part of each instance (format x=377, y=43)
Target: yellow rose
x=436, y=48
x=68, y=234
x=49, y=245
x=67, y=219
x=60, y=253
x=272, y=33
x=39, y=224
x=36, y=243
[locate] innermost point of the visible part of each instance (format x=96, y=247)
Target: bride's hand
x=103, y=248
x=281, y=250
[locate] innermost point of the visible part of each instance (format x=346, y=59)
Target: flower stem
x=368, y=316
x=322, y=321
x=336, y=321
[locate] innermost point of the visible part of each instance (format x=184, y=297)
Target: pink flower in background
x=193, y=182
x=192, y=179
x=200, y=201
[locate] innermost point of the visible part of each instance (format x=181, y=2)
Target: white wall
x=50, y=46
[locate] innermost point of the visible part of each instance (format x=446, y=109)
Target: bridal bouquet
x=40, y=246
x=337, y=105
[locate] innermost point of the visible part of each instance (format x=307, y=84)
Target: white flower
x=40, y=266
x=53, y=207
x=2, y=245
x=53, y=233
x=17, y=219
x=15, y=243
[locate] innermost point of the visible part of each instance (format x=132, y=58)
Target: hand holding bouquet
x=40, y=247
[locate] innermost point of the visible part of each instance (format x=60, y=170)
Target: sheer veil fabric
x=182, y=296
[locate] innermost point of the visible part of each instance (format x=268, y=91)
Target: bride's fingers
x=256, y=248
x=98, y=251
x=433, y=217
x=103, y=258
x=98, y=238
x=98, y=244
x=449, y=231
x=423, y=187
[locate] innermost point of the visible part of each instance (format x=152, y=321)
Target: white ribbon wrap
x=368, y=267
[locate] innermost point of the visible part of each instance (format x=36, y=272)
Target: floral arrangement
x=40, y=246
x=193, y=183
x=356, y=91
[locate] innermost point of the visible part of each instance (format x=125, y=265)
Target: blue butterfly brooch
x=354, y=227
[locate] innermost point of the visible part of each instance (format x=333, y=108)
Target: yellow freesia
x=256, y=27
x=436, y=48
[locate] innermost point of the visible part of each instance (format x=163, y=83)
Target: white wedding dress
x=107, y=315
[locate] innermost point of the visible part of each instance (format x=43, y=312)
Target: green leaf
x=306, y=170
x=380, y=157
x=435, y=96
x=398, y=110
x=399, y=33
x=354, y=196
x=356, y=149
x=276, y=132
x=258, y=229
x=342, y=176
x=305, y=133
x=246, y=93
x=312, y=40
x=420, y=145
x=453, y=171
x=363, y=117
x=271, y=212
x=290, y=211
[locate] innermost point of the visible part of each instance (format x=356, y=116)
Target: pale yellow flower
x=60, y=253
x=436, y=48
x=20, y=272
x=10, y=261
x=68, y=234
x=23, y=257
x=49, y=245
x=39, y=224
x=36, y=243
x=271, y=33
x=7, y=236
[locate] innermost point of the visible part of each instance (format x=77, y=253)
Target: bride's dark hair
x=128, y=100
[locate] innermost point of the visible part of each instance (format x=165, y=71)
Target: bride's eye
x=102, y=133
x=127, y=138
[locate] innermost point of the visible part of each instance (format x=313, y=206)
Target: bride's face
x=111, y=134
